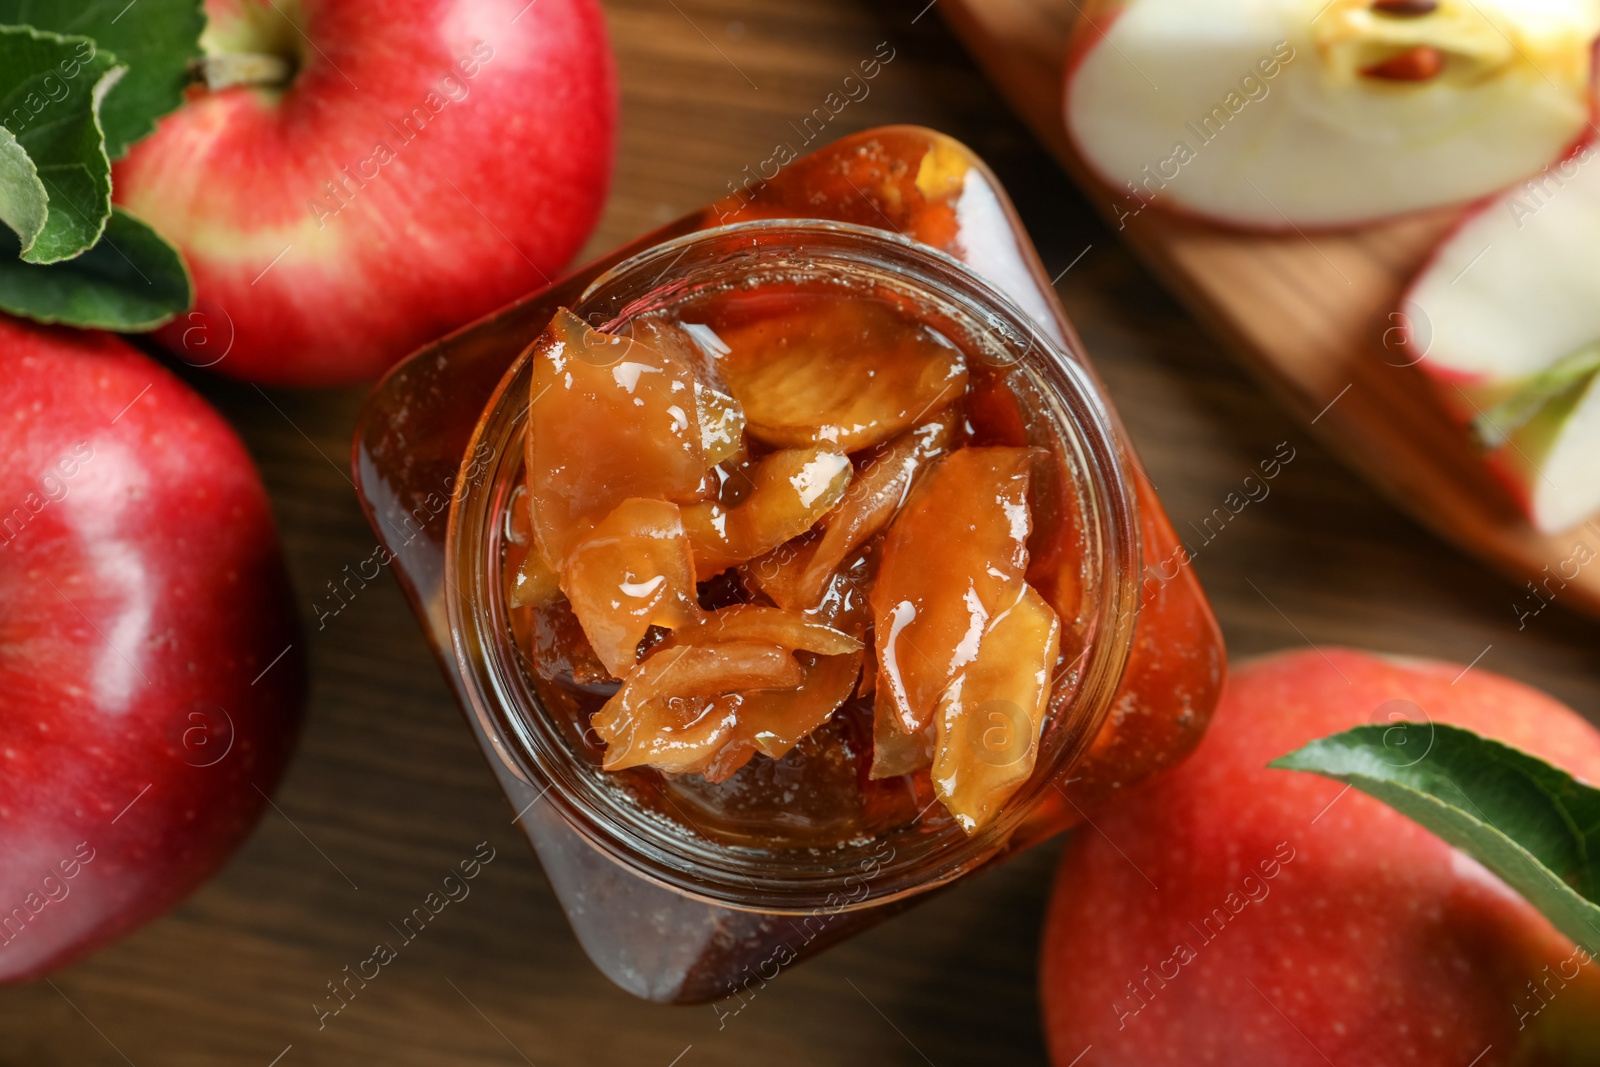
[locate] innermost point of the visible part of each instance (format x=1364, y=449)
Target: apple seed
x=1413, y=65
x=1405, y=9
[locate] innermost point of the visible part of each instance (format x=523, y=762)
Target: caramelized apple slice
x=721, y=424
x=895, y=751
x=876, y=493
x=949, y=560
x=679, y=708
x=711, y=670
x=609, y=419
x=728, y=760
x=843, y=370
x=631, y=572
x=775, y=720
x=989, y=719
x=693, y=346
x=763, y=625
x=534, y=583
x=844, y=603
x=779, y=573
x=721, y=417
x=789, y=491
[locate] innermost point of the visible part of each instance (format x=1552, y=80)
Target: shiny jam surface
x=792, y=566
x=420, y=422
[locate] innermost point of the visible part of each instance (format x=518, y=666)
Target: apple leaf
x=50, y=92
x=1532, y=824
x=157, y=39
x=130, y=280
x=1563, y=378
x=24, y=205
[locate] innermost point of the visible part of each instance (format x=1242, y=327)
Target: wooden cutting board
x=1313, y=315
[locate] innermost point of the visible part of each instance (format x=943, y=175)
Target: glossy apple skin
x=143, y=601
x=1376, y=940
x=497, y=191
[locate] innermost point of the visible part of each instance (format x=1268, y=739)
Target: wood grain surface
x=1315, y=316
x=388, y=789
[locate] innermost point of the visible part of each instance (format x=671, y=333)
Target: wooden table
x=391, y=790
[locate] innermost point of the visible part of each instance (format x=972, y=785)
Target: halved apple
x=1281, y=113
x=1506, y=319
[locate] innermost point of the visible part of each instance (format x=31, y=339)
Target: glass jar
x=674, y=915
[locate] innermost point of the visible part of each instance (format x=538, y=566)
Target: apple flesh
x=1240, y=915
x=1551, y=463
x=1506, y=319
x=1274, y=114
x=151, y=675
x=426, y=162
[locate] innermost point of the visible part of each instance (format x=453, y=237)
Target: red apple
x=1234, y=914
x=151, y=675
x=421, y=163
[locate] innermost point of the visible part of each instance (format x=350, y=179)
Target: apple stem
x=228, y=69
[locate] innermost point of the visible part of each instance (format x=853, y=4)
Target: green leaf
x=50, y=92
x=1564, y=379
x=157, y=39
x=1532, y=824
x=24, y=205
x=131, y=280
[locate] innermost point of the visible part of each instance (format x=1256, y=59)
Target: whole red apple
x=1233, y=914
x=151, y=676
x=414, y=165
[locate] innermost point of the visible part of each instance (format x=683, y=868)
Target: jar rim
x=795, y=881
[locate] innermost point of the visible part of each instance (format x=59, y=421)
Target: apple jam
x=679, y=887
x=785, y=564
